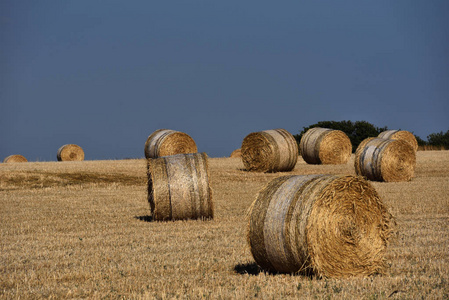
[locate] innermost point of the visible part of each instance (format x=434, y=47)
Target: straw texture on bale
x=400, y=135
x=327, y=225
x=361, y=146
x=70, y=152
x=15, y=158
x=325, y=146
x=385, y=160
x=236, y=153
x=269, y=151
x=165, y=142
x=178, y=187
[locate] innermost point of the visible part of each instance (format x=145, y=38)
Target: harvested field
x=82, y=229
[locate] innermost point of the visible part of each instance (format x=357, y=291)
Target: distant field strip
x=83, y=229
x=30, y=180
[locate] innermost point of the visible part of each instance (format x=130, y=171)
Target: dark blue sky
x=106, y=74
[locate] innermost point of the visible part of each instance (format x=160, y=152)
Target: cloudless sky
x=105, y=74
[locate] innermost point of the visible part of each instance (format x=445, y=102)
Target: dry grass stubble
x=92, y=238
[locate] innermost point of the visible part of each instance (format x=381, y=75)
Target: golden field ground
x=82, y=230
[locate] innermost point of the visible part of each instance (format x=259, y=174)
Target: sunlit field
x=83, y=230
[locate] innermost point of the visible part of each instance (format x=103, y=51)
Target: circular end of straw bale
x=70, y=152
x=178, y=187
x=325, y=146
x=331, y=226
x=15, y=158
x=269, y=151
x=400, y=135
x=258, y=153
x=166, y=142
x=398, y=161
x=236, y=153
x=385, y=160
x=348, y=229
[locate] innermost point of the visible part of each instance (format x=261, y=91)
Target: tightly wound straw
x=70, y=152
x=165, y=142
x=325, y=146
x=178, y=187
x=400, y=135
x=15, y=158
x=385, y=160
x=329, y=225
x=269, y=151
x=236, y=153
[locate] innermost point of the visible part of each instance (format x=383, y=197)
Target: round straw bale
x=327, y=225
x=15, y=158
x=70, y=152
x=357, y=154
x=269, y=151
x=178, y=187
x=165, y=142
x=385, y=160
x=236, y=153
x=325, y=146
x=400, y=135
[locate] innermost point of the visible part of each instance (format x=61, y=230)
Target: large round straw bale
x=165, y=142
x=385, y=160
x=325, y=146
x=236, y=153
x=70, y=152
x=178, y=187
x=15, y=158
x=400, y=135
x=328, y=225
x=269, y=151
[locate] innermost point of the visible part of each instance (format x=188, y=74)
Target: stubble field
x=83, y=230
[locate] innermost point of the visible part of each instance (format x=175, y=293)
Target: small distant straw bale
x=269, y=151
x=236, y=153
x=178, y=187
x=325, y=146
x=15, y=158
x=326, y=225
x=70, y=152
x=400, y=135
x=385, y=160
x=165, y=142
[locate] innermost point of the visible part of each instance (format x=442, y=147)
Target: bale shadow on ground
x=254, y=269
x=144, y=218
x=250, y=268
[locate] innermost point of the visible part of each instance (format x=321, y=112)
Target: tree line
x=359, y=130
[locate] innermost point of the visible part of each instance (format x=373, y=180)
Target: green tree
x=420, y=141
x=356, y=131
x=439, y=139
